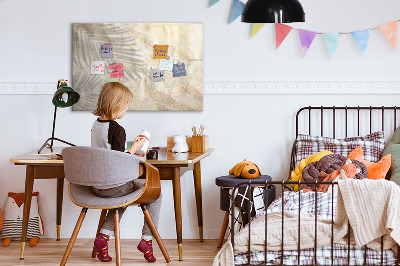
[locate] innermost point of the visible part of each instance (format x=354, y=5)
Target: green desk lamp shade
x=59, y=99
x=65, y=96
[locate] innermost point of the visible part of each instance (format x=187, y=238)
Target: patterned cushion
x=372, y=144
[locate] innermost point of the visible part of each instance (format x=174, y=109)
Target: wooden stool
x=226, y=183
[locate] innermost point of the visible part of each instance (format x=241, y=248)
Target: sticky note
x=156, y=74
x=117, y=70
x=179, y=70
x=97, y=68
x=160, y=51
x=106, y=50
x=167, y=64
x=109, y=79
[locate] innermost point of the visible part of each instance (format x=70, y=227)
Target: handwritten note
x=167, y=64
x=117, y=70
x=160, y=51
x=109, y=79
x=97, y=68
x=156, y=74
x=106, y=50
x=179, y=70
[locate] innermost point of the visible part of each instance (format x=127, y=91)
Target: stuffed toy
x=245, y=169
x=13, y=215
x=375, y=170
x=180, y=144
x=296, y=174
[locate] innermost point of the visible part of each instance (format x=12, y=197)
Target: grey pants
x=154, y=208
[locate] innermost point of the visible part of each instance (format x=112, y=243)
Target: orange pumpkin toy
x=245, y=169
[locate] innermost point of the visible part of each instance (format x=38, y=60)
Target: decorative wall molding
x=247, y=87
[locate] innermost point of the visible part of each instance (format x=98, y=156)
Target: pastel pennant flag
x=281, y=31
x=213, y=2
x=256, y=28
x=361, y=37
x=389, y=30
x=306, y=39
x=332, y=41
x=237, y=9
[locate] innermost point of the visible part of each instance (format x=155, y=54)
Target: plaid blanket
x=323, y=205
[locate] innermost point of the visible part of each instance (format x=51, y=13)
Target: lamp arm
x=54, y=126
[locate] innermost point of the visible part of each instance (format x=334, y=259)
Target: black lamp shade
x=273, y=11
x=73, y=96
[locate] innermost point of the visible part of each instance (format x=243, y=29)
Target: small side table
x=226, y=183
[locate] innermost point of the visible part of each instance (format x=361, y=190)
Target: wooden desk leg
x=60, y=191
x=199, y=204
x=176, y=183
x=27, y=206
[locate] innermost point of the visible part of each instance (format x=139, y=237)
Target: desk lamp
x=64, y=96
x=273, y=11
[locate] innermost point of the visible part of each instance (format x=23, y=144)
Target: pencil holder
x=200, y=143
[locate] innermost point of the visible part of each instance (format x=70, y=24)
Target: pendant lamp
x=64, y=96
x=273, y=11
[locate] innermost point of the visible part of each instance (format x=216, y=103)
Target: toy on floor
x=245, y=169
x=13, y=215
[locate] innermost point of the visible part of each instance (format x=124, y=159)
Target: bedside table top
x=230, y=181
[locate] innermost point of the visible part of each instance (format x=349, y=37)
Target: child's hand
x=143, y=155
x=137, y=144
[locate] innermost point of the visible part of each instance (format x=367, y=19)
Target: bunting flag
x=361, y=37
x=332, y=41
x=237, y=9
x=213, y=2
x=306, y=39
x=281, y=31
x=256, y=28
x=389, y=30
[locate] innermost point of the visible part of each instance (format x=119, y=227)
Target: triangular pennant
x=213, y=2
x=389, y=30
x=237, y=9
x=332, y=41
x=361, y=37
x=306, y=39
x=281, y=31
x=256, y=28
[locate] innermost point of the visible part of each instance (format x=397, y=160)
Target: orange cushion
x=375, y=170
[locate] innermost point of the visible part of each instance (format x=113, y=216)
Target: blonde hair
x=113, y=97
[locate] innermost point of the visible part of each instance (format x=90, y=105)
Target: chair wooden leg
x=73, y=237
x=101, y=222
x=223, y=229
x=154, y=230
x=117, y=238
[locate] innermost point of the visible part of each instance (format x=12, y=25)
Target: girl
x=107, y=133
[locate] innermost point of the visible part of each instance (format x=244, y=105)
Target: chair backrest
x=91, y=166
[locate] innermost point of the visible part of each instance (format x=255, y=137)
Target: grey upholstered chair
x=85, y=167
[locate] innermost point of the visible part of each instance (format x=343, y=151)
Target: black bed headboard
x=344, y=121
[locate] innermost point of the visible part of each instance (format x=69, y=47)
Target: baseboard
x=246, y=87
x=135, y=233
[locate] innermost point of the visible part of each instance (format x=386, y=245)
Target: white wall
x=35, y=43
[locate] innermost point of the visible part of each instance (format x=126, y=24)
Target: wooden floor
x=50, y=252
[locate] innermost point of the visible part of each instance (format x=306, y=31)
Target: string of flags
x=361, y=37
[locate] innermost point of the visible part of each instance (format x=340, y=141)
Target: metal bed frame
x=283, y=184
